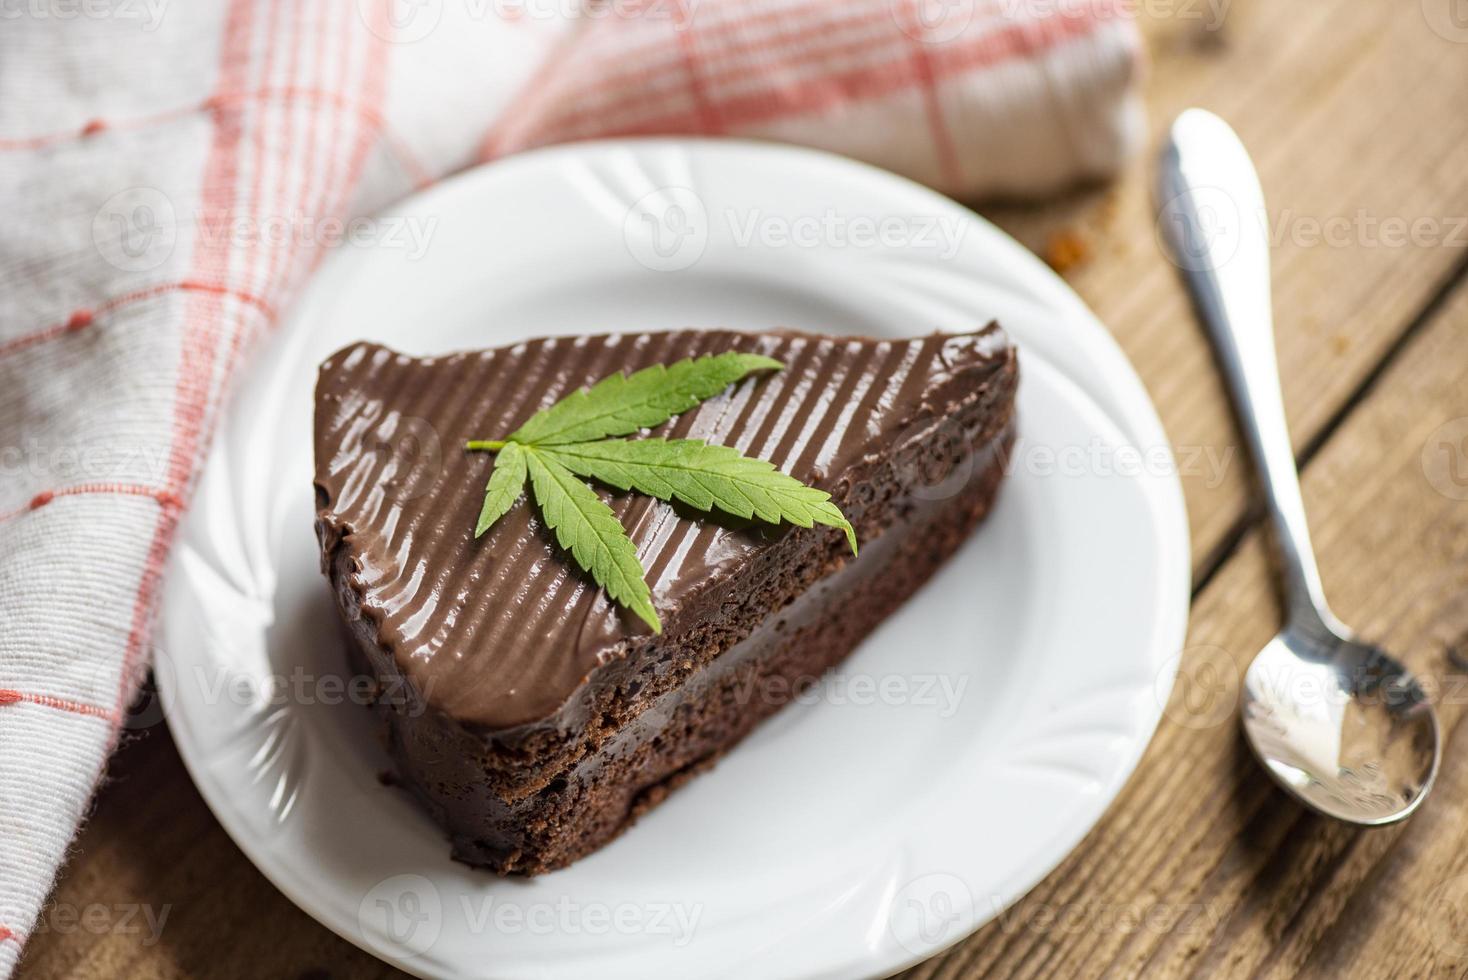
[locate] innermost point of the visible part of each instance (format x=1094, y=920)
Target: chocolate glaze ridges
x=474, y=622
x=520, y=724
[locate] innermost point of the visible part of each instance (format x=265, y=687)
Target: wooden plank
x=1354, y=114
x=1235, y=877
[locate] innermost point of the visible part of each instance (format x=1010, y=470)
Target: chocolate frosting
x=502, y=631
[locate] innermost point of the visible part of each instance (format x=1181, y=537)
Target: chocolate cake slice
x=534, y=718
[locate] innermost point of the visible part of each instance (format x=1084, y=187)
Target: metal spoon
x=1337, y=722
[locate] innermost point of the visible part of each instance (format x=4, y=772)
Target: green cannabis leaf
x=704, y=477
x=506, y=481
x=569, y=441
x=619, y=404
x=588, y=529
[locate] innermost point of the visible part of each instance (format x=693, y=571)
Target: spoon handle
x=1213, y=219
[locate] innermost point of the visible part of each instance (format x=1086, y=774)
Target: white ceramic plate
x=952, y=762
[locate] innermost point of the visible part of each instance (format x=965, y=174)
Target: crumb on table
x=1066, y=250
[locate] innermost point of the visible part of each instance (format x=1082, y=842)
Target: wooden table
x=1357, y=113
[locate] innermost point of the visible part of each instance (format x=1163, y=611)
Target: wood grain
x=1354, y=112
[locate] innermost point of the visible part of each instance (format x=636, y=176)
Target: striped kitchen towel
x=149, y=147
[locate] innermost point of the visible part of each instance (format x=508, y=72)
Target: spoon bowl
x=1341, y=725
